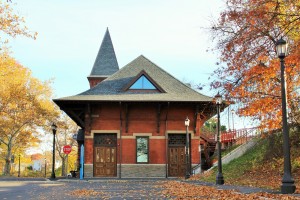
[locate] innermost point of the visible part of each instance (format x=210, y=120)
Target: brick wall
x=139, y=120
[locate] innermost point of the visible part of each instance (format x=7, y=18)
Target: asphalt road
x=76, y=189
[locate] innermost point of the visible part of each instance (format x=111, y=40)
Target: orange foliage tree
x=25, y=108
x=249, y=70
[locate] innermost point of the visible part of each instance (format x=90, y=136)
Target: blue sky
x=171, y=33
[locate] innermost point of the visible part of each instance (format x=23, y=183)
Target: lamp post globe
x=219, y=177
x=53, y=127
x=281, y=48
x=187, y=151
x=288, y=183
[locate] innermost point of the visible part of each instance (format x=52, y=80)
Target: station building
x=132, y=119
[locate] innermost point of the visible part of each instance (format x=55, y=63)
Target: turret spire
x=106, y=62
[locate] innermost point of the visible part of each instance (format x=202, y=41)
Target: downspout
x=166, y=138
x=120, y=156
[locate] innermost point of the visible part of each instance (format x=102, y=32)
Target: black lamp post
x=219, y=178
x=232, y=112
x=53, y=126
x=45, y=167
x=19, y=166
x=187, y=151
x=288, y=185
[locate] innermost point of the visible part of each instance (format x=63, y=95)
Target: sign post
x=67, y=149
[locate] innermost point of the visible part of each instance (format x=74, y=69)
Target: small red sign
x=67, y=149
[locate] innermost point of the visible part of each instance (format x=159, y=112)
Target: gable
x=141, y=82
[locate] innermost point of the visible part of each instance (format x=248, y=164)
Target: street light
x=187, y=152
x=53, y=126
x=19, y=166
x=288, y=185
x=219, y=177
x=232, y=112
x=45, y=167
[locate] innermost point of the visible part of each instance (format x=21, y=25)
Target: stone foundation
x=88, y=170
x=133, y=171
x=143, y=170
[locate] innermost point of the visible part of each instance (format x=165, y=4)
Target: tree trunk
x=7, y=161
x=63, y=166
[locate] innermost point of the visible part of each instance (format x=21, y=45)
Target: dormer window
x=142, y=84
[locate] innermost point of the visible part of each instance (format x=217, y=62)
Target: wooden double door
x=177, y=166
x=176, y=155
x=105, y=155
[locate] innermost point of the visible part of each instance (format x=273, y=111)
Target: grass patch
x=229, y=149
x=262, y=166
x=239, y=166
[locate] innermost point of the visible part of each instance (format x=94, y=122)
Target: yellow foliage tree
x=25, y=107
x=12, y=24
x=66, y=128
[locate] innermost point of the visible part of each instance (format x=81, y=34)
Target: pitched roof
x=112, y=88
x=106, y=61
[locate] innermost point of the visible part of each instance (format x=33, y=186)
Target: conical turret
x=106, y=62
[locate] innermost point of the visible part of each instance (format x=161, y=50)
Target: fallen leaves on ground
x=265, y=176
x=180, y=190
x=85, y=193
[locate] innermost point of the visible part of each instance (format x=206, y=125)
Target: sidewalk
x=23, y=179
x=96, y=181
x=241, y=189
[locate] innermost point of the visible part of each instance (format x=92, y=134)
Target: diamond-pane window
x=143, y=84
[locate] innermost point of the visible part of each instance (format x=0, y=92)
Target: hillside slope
x=262, y=166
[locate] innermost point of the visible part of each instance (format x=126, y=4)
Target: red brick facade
x=142, y=119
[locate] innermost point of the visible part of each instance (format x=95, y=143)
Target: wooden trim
x=133, y=136
x=166, y=141
x=103, y=131
x=195, y=118
x=126, y=117
x=150, y=135
x=182, y=132
x=73, y=114
x=120, y=144
x=90, y=115
x=158, y=117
